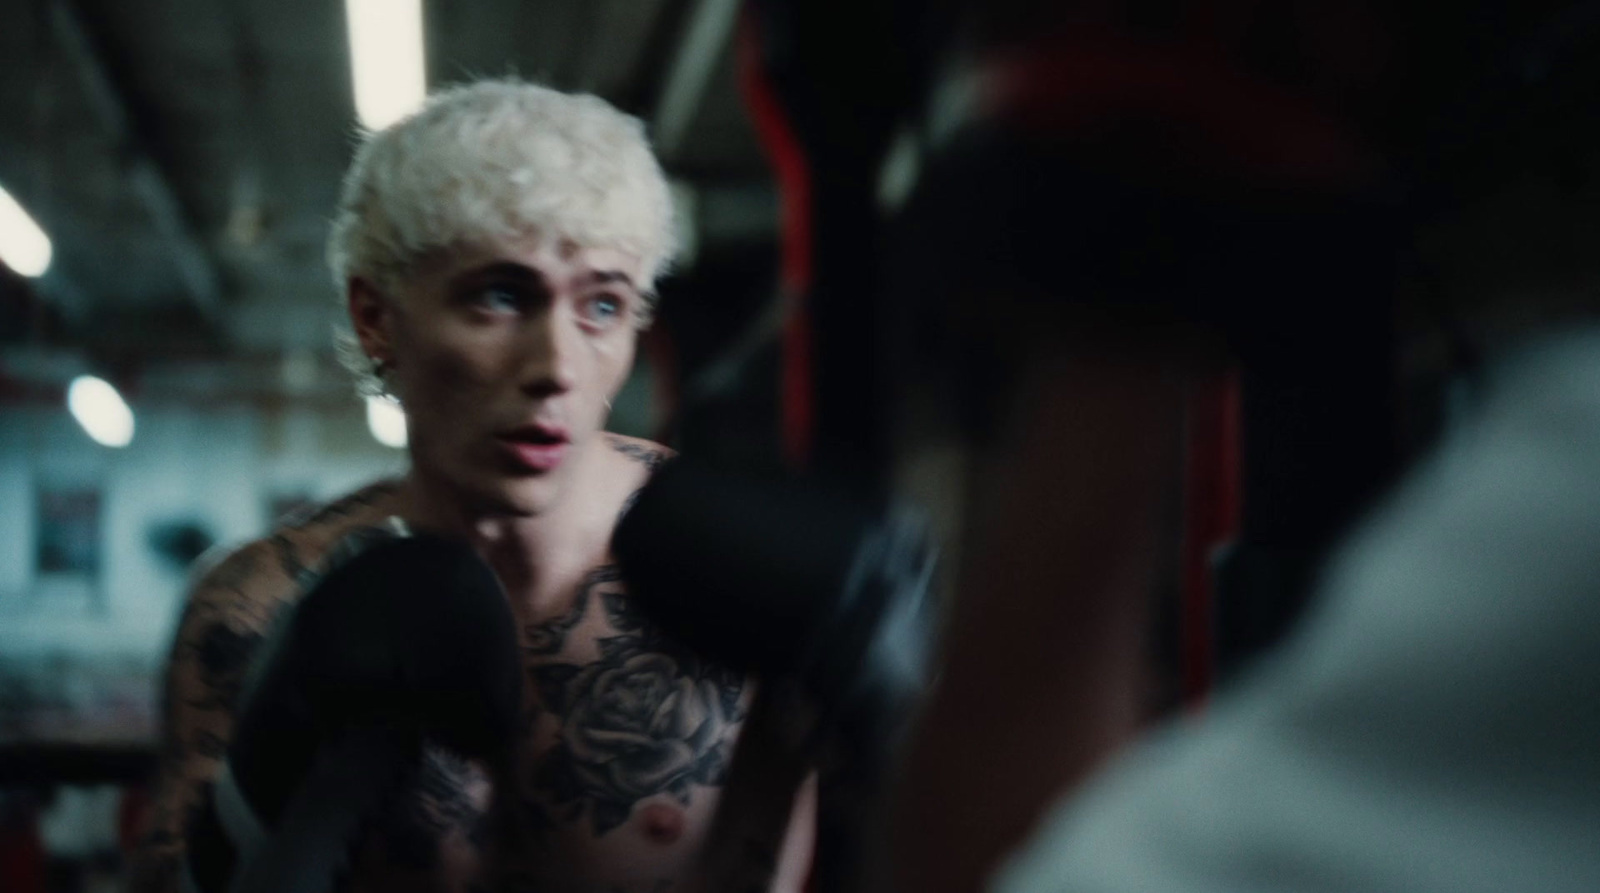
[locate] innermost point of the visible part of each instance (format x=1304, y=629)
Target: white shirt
x=1435, y=725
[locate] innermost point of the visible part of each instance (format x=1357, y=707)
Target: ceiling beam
x=193, y=263
x=699, y=50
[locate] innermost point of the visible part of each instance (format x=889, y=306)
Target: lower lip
x=534, y=456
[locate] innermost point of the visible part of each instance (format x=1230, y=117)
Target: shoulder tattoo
x=345, y=506
x=649, y=455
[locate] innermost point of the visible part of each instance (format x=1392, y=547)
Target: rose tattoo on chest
x=647, y=717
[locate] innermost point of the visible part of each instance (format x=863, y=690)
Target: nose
x=551, y=354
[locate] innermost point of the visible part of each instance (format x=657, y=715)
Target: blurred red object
x=131, y=815
x=21, y=855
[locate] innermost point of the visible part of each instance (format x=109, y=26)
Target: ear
x=371, y=316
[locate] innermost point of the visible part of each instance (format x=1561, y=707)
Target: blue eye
x=602, y=310
x=498, y=299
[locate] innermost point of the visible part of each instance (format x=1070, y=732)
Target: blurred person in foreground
x=1434, y=725
x=498, y=252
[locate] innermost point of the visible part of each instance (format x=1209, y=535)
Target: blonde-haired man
x=497, y=252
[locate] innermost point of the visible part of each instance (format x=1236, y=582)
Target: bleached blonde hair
x=499, y=159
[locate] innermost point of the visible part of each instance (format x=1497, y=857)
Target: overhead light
x=101, y=411
x=23, y=245
x=387, y=422
x=386, y=59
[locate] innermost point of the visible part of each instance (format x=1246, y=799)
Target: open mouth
x=534, y=448
x=538, y=435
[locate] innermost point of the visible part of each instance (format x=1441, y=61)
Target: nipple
x=661, y=823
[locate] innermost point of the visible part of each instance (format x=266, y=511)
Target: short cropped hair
x=500, y=159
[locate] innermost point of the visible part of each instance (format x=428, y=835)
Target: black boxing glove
x=782, y=578
x=412, y=639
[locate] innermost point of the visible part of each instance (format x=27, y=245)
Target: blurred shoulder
x=633, y=461
x=648, y=454
x=271, y=570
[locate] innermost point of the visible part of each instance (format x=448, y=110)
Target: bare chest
x=626, y=746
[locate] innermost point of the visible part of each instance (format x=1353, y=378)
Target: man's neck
x=523, y=550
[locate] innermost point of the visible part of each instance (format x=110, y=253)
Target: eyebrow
x=608, y=277
x=503, y=269
x=512, y=270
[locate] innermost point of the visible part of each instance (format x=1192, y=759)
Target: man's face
x=505, y=356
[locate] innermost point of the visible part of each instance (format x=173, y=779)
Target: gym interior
x=1146, y=445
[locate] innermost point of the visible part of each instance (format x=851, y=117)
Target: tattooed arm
x=228, y=612
x=230, y=606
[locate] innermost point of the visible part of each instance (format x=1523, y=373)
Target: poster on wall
x=66, y=687
x=69, y=532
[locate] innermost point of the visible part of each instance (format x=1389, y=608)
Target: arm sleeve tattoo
x=221, y=627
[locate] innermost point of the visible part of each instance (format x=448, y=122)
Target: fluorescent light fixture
x=387, y=422
x=100, y=410
x=386, y=59
x=23, y=245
